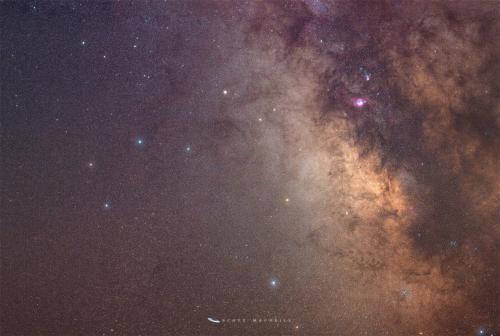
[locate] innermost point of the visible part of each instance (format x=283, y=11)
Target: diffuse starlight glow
x=317, y=167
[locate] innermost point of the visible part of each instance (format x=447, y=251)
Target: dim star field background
x=169, y=166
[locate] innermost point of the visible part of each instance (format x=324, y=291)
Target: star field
x=308, y=167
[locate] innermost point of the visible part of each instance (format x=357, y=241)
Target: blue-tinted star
x=273, y=282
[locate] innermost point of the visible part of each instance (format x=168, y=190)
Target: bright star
x=273, y=283
x=107, y=205
x=225, y=92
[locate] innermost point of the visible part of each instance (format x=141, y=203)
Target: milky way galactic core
x=308, y=167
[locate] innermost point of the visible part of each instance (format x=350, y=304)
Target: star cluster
x=169, y=165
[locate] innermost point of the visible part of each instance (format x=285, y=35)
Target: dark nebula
x=330, y=167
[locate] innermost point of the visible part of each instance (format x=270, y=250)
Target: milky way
x=333, y=164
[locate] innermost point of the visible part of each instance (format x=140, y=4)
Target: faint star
x=107, y=205
x=225, y=92
x=260, y=119
x=90, y=164
x=188, y=148
x=83, y=43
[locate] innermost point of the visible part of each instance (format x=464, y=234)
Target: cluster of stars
x=365, y=73
x=405, y=293
x=125, y=60
x=360, y=102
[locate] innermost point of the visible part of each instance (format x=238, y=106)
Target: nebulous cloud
x=408, y=185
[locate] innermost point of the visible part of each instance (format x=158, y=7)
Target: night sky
x=308, y=167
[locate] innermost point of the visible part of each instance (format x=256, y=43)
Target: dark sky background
x=331, y=164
